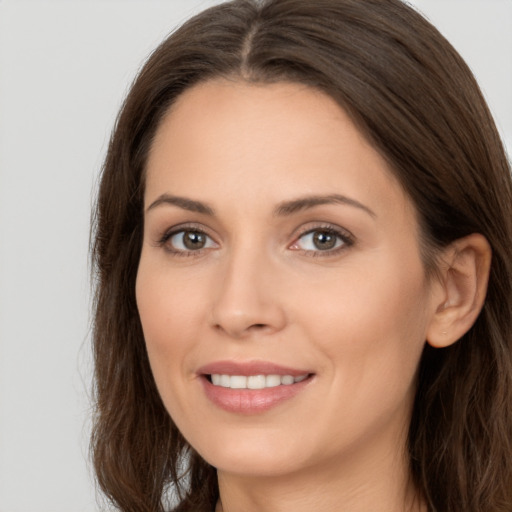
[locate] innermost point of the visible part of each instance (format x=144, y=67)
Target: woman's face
x=282, y=257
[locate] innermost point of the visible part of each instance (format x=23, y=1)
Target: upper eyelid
x=187, y=226
x=311, y=227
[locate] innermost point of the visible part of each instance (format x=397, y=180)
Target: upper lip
x=249, y=368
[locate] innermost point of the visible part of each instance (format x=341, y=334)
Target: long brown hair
x=417, y=102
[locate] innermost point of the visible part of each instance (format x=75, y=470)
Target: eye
x=322, y=240
x=188, y=240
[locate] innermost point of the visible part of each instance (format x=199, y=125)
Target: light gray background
x=64, y=69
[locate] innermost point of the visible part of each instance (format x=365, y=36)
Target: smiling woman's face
x=282, y=257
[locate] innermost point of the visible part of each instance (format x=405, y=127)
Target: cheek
x=168, y=306
x=370, y=330
x=370, y=323
x=170, y=322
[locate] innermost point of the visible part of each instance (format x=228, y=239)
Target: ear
x=462, y=286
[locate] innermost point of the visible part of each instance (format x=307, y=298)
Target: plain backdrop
x=65, y=67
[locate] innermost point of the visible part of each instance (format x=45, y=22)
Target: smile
x=254, y=381
x=251, y=387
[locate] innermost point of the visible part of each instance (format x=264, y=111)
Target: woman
x=302, y=244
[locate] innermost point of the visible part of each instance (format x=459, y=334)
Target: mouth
x=252, y=387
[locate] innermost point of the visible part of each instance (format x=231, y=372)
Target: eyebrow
x=303, y=203
x=284, y=209
x=183, y=203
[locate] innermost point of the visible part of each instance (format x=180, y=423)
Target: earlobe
x=463, y=277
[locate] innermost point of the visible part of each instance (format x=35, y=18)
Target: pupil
x=193, y=240
x=324, y=240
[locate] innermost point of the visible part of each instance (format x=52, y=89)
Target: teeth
x=254, y=381
x=286, y=379
x=271, y=381
x=238, y=382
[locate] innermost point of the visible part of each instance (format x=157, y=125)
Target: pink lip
x=250, y=401
x=249, y=368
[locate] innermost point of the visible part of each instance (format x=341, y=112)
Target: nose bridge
x=247, y=300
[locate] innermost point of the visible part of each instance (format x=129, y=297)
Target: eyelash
x=346, y=238
x=191, y=228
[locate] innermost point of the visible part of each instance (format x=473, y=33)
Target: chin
x=255, y=456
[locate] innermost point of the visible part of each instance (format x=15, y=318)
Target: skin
x=356, y=316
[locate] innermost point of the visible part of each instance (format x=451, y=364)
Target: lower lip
x=251, y=401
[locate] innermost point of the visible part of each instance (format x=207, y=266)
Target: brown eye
x=324, y=240
x=193, y=240
x=190, y=240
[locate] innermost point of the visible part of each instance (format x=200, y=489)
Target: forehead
x=228, y=139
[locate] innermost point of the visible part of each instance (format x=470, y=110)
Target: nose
x=247, y=299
